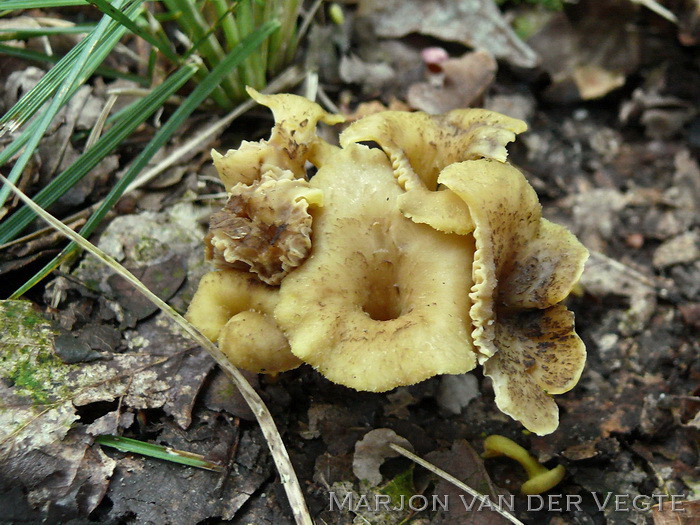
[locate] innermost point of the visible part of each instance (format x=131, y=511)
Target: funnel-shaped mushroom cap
x=235, y=309
x=521, y=260
x=381, y=301
x=265, y=225
x=421, y=145
x=288, y=147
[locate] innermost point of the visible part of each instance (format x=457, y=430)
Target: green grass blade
x=200, y=93
x=204, y=42
x=62, y=95
x=11, y=5
x=80, y=70
x=253, y=70
x=163, y=47
x=30, y=103
x=159, y=452
x=28, y=54
x=137, y=113
x=283, y=44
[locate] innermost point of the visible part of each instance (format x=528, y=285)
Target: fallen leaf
x=456, y=392
x=220, y=394
x=163, y=492
x=475, y=23
x=373, y=77
x=399, y=401
x=682, y=513
x=112, y=423
x=662, y=116
x=74, y=350
x=67, y=478
x=40, y=393
x=371, y=452
x=595, y=215
x=589, y=50
x=160, y=248
x=684, y=248
x=603, y=277
x=463, y=81
x=330, y=469
x=465, y=464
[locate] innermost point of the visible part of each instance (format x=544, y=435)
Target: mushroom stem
x=540, y=478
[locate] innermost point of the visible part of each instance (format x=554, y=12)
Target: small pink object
x=434, y=57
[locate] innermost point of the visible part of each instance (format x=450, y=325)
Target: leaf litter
x=621, y=172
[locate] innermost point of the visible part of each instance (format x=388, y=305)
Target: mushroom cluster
x=425, y=255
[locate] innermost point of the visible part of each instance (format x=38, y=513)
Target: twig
x=660, y=10
x=457, y=483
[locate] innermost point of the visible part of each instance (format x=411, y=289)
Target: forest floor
x=610, y=93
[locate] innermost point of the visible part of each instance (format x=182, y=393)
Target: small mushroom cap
x=288, y=147
x=545, y=481
x=420, y=146
x=235, y=309
x=253, y=341
x=381, y=301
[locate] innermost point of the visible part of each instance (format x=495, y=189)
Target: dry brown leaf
x=682, y=513
x=589, y=51
x=371, y=452
x=475, y=23
x=465, y=464
x=465, y=80
x=164, y=492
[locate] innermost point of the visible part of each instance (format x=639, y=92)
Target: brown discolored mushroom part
x=521, y=260
x=545, y=270
x=293, y=135
x=523, y=266
x=235, y=309
x=420, y=146
x=382, y=301
x=264, y=226
x=539, y=355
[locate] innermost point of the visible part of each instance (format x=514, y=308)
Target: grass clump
x=219, y=45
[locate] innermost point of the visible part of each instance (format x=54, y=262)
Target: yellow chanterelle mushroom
x=391, y=265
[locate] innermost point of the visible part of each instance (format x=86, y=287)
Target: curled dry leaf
x=371, y=452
